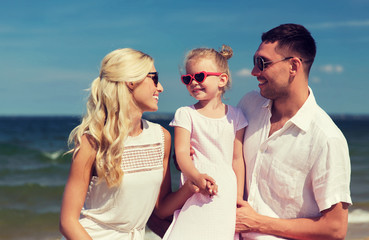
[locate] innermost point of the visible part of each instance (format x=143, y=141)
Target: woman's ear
x=131, y=85
x=223, y=80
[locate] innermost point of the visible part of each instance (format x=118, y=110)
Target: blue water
x=34, y=169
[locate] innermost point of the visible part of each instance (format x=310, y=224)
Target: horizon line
x=156, y=114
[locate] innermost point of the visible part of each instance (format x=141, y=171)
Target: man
x=297, y=160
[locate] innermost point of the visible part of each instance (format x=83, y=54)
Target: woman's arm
x=75, y=191
x=238, y=163
x=168, y=201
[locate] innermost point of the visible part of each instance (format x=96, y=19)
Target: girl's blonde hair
x=220, y=58
x=108, y=120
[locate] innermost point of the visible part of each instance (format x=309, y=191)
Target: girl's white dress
x=122, y=212
x=203, y=217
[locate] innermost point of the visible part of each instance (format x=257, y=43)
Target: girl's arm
x=238, y=163
x=75, y=191
x=168, y=201
x=182, y=150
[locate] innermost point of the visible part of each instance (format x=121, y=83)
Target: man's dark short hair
x=295, y=39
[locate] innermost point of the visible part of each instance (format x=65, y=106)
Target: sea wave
x=358, y=216
x=54, y=155
x=41, y=174
x=23, y=165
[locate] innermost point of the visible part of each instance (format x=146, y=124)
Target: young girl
x=119, y=160
x=215, y=132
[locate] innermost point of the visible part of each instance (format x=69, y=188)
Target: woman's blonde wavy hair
x=108, y=120
x=220, y=58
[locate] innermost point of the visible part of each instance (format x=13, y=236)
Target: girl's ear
x=223, y=80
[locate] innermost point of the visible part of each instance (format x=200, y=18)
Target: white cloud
x=244, y=73
x=363, y=23
x=331, y=69
x=315, y=80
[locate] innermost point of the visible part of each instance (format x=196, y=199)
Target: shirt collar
x=304, y=115
x=268, y=104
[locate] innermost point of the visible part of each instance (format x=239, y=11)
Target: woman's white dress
x=203, y=217
x=122, y=212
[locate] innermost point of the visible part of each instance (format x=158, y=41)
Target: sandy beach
x=358, y=231
x=355, y=232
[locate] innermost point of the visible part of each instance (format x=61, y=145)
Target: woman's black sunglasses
x=155, y=77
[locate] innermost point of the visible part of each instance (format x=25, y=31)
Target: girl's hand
x=212, y=188
x=206, y=184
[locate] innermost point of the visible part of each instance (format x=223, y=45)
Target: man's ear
x=296, y=64
x=223, y=80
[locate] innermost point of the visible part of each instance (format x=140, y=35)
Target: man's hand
x=246, y=217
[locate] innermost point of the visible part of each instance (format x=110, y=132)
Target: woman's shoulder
x=149, y=124
x=88, y=143
x=154, y=127
x=86, y=152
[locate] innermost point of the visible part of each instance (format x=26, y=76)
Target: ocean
x=34, y=169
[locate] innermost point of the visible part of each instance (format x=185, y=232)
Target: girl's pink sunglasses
x=198, y=77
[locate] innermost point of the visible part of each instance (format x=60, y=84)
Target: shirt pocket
x=282, y=180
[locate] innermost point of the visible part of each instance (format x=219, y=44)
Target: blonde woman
x=120, y=171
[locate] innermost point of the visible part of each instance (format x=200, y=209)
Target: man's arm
x=332, y=224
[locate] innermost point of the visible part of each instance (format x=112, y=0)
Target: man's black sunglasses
x=262, y=64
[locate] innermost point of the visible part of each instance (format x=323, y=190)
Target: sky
x=50, y=51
